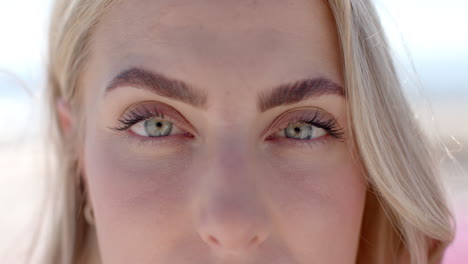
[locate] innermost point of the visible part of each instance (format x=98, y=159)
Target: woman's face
x=216, y=132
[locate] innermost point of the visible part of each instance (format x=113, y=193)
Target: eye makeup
x=315, y=117
x=144, y=111
x=151, y=109
x=312, y=116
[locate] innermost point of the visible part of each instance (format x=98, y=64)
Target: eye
x=155, y=127
x=302, y=130
x=153, y=119
x=306, y=124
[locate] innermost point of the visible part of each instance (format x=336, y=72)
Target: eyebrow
x=283, y=94
x=291, y=93
x=159, y=84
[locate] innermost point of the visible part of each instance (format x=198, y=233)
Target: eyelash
x=317, y=119
x=134, y=117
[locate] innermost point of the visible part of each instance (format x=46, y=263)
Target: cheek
x=319, y=201
x=142, y=196
x=128, y=179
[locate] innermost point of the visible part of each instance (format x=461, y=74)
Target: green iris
x=299, y=131
x=157, y=127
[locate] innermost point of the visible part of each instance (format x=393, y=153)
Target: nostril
x=253, y=240
x=213, y=239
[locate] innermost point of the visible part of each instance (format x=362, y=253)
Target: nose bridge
x=230, y=154
x=230, y=172
x=231, y=214
x=233, y=169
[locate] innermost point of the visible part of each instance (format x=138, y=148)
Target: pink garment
x=457, y=252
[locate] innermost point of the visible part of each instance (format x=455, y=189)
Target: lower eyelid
x=300, y=143
x=145, y=141
x=182, y=139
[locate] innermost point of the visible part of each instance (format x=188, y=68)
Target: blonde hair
x=406, y=218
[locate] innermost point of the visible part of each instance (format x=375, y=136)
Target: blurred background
x=430, y=41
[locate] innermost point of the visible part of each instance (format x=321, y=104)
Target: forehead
x=240, y=44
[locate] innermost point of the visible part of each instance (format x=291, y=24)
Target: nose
x=232, y=215
x=232, y=225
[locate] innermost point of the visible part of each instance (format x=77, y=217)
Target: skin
x=227, y=194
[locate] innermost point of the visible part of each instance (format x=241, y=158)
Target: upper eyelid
x=284, y=125
x=175, y=116
x=169, y=113
x=284, y=118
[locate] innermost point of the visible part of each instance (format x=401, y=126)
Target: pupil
x=297, y=130
x=159, y=124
